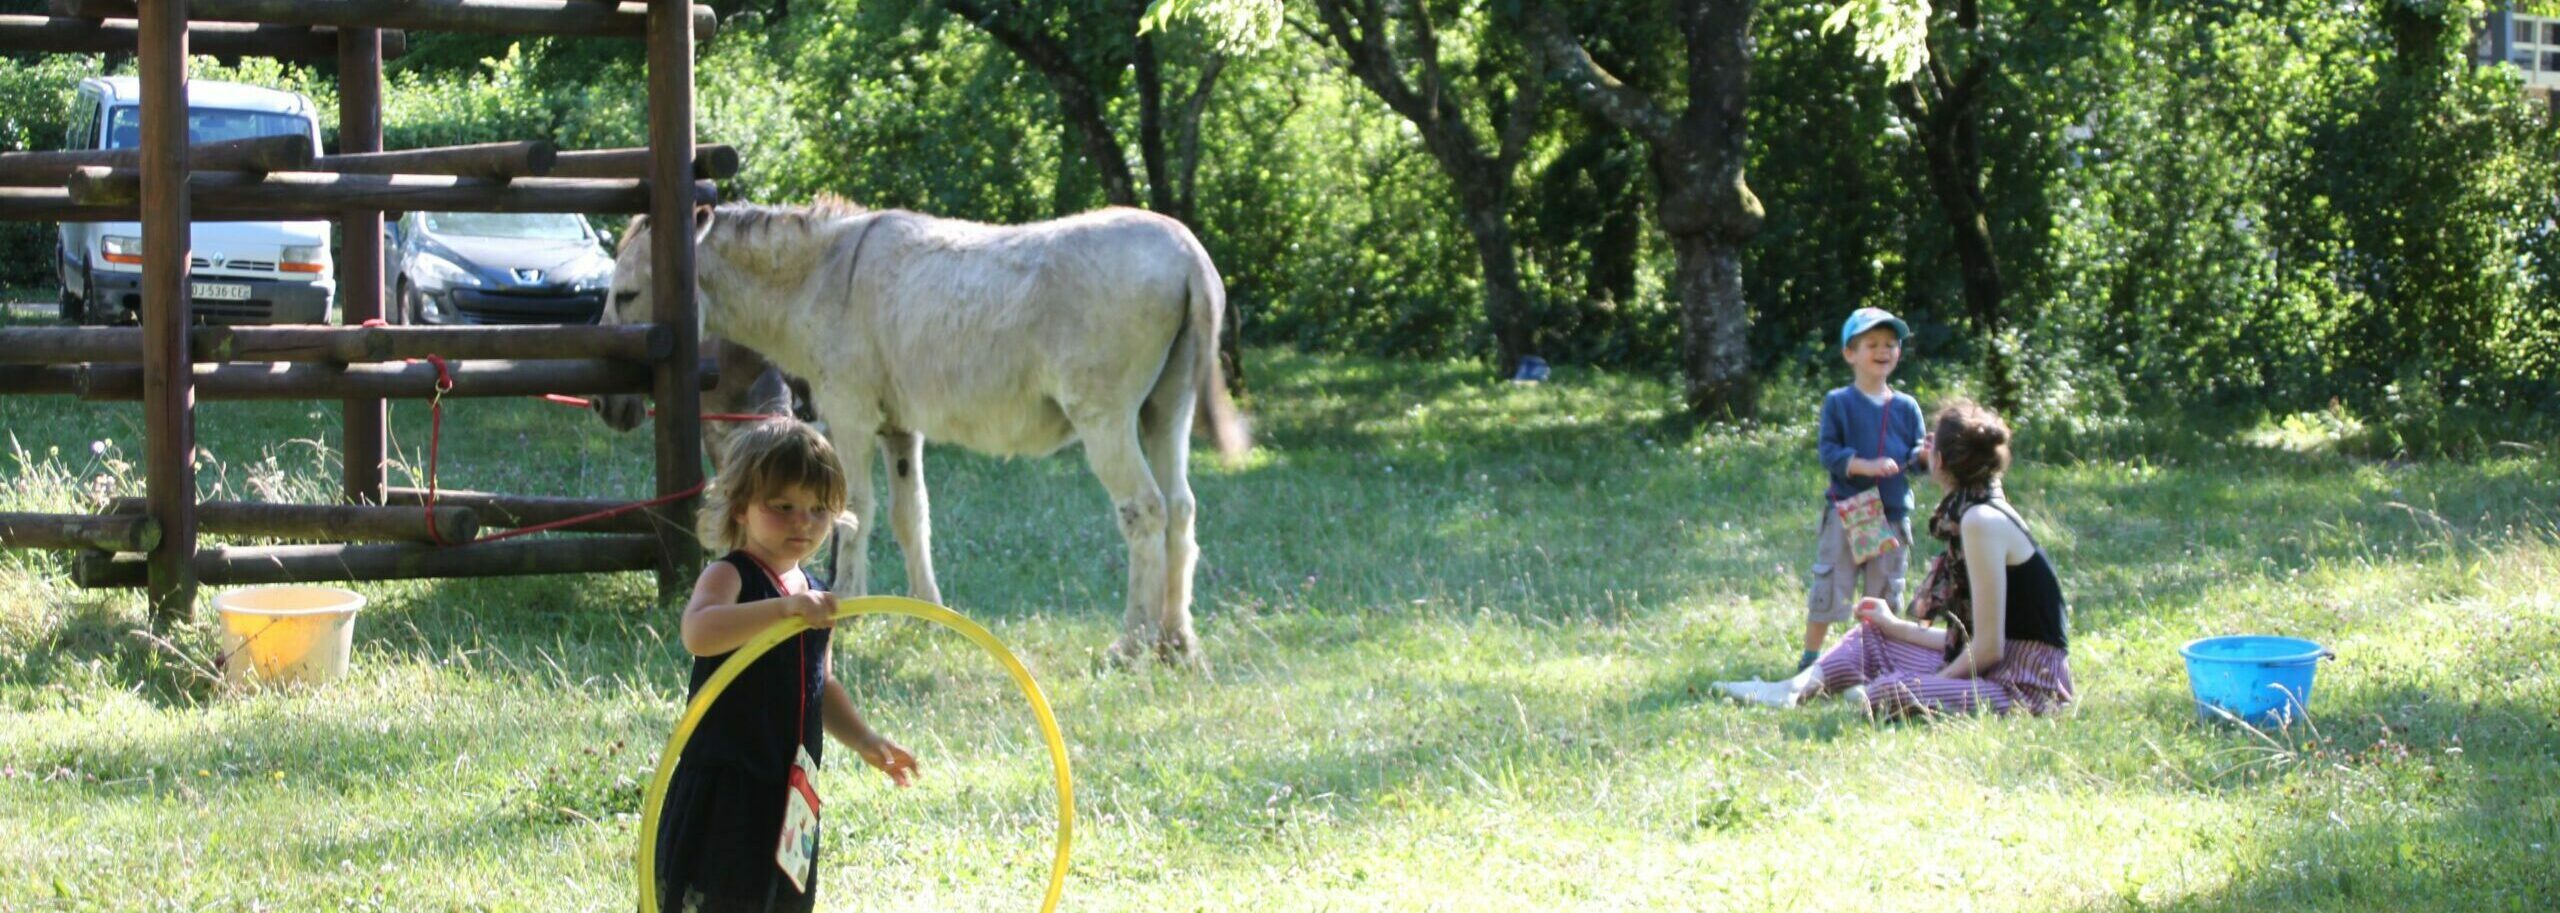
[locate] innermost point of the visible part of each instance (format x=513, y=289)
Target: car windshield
x=207, y=125
x=529, y=226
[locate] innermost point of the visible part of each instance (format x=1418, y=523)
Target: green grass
x=1461, y=635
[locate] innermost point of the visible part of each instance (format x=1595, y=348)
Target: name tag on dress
x=798, y=849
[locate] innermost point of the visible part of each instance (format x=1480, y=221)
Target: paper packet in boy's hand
x=1862, y=521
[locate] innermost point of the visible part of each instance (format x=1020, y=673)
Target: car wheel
x=404, y=306
x=69, y=310
x=88, y=286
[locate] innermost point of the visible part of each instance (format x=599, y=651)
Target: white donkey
x=1008, y=340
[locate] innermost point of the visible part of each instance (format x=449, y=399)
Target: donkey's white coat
x=1008, y=340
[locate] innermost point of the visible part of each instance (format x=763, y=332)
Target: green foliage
x=35, y=112
x=1892, y=34
x=2271, y=209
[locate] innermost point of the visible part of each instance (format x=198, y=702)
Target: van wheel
x=70, y=309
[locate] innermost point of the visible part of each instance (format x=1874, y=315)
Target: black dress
x=723, y=813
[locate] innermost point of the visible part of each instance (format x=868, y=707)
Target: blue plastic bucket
x=2263, y=680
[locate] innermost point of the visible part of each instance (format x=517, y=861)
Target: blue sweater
x=1849, y=424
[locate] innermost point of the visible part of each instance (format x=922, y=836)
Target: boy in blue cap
x=1870, y=434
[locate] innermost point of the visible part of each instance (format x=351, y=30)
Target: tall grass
x=1461, y=636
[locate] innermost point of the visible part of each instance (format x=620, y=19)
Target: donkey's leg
x=909, y=516
x=852, y=441
x=1165, y=432
x=1111, y=447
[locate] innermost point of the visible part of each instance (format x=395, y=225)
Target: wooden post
x=679, y=394
x=168, y=396
x=360, y=273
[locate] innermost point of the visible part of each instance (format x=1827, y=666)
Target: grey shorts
x=1839, y=582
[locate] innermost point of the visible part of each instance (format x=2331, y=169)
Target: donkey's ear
x=701, y=223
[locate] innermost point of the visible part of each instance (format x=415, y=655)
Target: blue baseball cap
x=1864, y=319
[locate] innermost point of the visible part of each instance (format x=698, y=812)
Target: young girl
x=2006, y=644
x=746, y=766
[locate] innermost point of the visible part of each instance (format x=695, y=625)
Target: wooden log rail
x=332, y=563
x=79, y=531
x=284, y=381
x=711, y=162
x=342, y=345
x=496, y=17
x=265, y=153
x=60, y=35
x=320, y=194
x=494, y=161
x=323, y=522
x=512, y=511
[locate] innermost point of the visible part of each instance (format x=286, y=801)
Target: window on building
x=2551, y=33
x=2523, y=59
x=2524, y=30
x=2551, y=61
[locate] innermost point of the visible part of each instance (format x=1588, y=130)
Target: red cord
x=435, y=446
x=585, y=403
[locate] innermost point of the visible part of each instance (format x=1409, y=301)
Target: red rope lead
x=435, y=441
x=435, y=447
x=585, y=403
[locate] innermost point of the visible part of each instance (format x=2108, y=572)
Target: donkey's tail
x=1227, y=430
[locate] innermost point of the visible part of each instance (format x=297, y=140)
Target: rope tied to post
x=444, y=384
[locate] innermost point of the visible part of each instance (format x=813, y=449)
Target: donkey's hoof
x=1125, y=653
x=1181, y=653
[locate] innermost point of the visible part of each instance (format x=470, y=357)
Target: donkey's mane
x=738, y=220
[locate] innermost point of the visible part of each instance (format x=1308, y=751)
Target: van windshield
x=207, y=125
x=529, y=226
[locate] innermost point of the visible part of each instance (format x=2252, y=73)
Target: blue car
x=501, y=268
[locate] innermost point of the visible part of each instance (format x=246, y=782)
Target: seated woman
x=2007, y=635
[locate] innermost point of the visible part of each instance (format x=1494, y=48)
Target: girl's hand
x=1872, y=612
x=817, y=607
x=1928, y=456
x=888, y=757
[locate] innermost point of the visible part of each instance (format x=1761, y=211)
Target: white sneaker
x=1755, y=691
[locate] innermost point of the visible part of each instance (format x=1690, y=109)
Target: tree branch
x=1077, y=101
x=1593, y=86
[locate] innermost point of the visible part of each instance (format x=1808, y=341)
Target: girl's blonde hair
x=765, y=460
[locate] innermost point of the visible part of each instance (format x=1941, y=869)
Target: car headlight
x=311, y=259
x=434, y=272
x=120, y=250
x=597, y=276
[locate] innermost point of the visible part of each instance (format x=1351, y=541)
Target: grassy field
x=1461, y=634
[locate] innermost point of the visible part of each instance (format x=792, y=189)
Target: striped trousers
x=1903, y=678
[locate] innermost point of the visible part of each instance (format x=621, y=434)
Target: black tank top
x=2037, y=611
x=749, y=728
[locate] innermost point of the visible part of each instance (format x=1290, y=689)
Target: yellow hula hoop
x=867, y=605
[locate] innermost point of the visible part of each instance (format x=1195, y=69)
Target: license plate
x=221, y=291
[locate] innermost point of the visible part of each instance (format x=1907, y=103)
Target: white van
x=243, y=272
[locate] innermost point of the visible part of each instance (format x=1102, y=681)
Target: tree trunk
x=1953, y=152
x=1506, y=304
x=1151, y=154
x=1715, y=327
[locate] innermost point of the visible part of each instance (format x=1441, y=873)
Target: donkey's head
x=631, y=299
x=633, y=293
